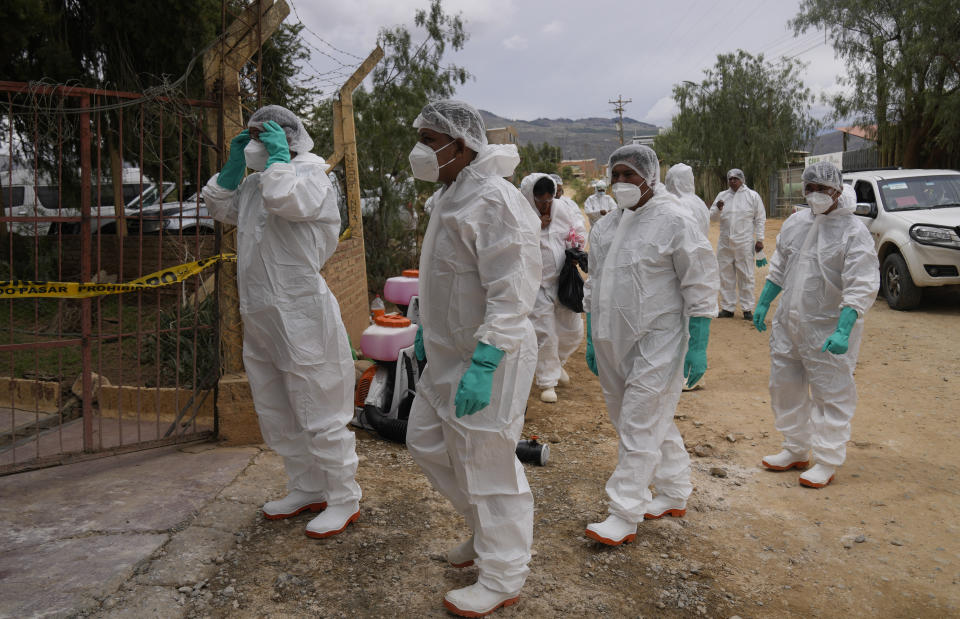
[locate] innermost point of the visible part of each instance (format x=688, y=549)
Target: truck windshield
x=920, y=192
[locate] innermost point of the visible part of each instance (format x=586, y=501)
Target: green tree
x=543, y=158
x=903, y=73
x=409, y=76
x=140, y=47
x=746, y=113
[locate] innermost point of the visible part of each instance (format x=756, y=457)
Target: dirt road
x=883, y=540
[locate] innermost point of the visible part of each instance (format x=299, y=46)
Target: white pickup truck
x=914, y=218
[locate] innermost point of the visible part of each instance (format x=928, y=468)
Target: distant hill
x=584, y=138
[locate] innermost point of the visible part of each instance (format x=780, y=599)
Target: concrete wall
x=26, y=394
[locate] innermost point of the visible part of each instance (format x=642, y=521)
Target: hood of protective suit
x=847, y=203
x=495, y=160
x=939, y=216
x=526, y=186
x=679, y=179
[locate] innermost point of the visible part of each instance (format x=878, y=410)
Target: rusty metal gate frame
x=183, y=429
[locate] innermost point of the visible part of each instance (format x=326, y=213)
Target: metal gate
x=102, y=186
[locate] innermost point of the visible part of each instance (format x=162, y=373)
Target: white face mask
x=424, y=164
x=256, y=155
x=627, y=194
x=819, y=202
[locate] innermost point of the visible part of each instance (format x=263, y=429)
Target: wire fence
x=102, y=187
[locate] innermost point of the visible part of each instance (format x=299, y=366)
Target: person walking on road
x=649, y=300
x=740, y=212
x=826, y=265
x=559, y=329
x=479, y=273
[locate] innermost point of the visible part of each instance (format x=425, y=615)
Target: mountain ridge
x=581, y=138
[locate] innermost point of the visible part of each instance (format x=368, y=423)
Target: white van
x=29, y=194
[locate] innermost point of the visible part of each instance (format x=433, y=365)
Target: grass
x=126, y=360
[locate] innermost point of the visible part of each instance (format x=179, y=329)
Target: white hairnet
x=557, y=179
x=601, y=185
x=642, y=159
x=297, y=137
x=679, y=180
x=456, y=119
x=823, y=173
x=737, y=173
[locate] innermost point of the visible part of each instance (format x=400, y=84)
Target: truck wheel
x=897, y=285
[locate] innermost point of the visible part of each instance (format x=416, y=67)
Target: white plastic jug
x=387, y=336
x=399, y=290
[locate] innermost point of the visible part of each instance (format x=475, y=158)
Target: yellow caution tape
x=22, y=289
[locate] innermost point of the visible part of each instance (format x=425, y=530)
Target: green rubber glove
x=761, y=263
x=275, y=140
x=232, y=172
x=418, y=348
x=695, y=363
x=770, y=292
x=476, y=386
x=591, y=355
x=839, y=340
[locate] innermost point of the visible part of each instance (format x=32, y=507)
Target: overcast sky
x=534, y=58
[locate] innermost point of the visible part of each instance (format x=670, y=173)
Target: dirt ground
x=882, y=541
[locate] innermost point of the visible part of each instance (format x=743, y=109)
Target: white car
x=914, y=218
x=27, y=194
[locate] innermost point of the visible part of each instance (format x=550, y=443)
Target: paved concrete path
x=150, y=522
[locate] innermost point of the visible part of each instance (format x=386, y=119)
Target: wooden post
x=345, y=145
x=221, y=74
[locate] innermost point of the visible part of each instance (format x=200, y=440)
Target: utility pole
x=618, y=108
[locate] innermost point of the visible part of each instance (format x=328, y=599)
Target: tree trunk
x=116, y=174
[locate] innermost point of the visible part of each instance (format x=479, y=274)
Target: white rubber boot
x=662, y=505
x=548, y=395
x=564, y=379
x=293, y=504
x=463, y=554
x=333, y=520
x=613, y=531
x=786, y=460
x=477, y=600
x=819, y=476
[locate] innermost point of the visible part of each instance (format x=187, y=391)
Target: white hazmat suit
x=598, y=202
x=295, y=347
x=742, y=222
x=650, y=271
x=559, y=329
x=679, y=182
x=479, y=272
x=822, y=262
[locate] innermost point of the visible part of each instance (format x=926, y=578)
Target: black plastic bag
x=570, y=287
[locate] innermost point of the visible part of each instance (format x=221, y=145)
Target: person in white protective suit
x=826, y=265
x=479, y=272
x=653, y=281
x=559, y=329
x=742, y=218
x=599, y=204
x=295, y=347
x=679, y=182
